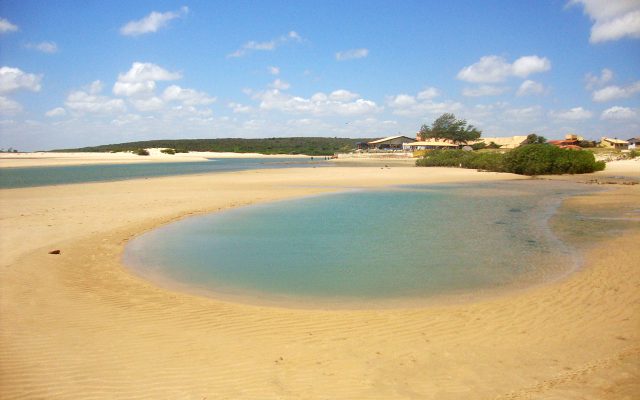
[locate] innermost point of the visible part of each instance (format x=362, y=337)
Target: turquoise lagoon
x=415, y=242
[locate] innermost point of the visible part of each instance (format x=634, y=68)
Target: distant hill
x=291, y=145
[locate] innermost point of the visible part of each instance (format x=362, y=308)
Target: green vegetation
x=535, y=139
x=534, y=159
x=314, y=146
x=634, y=153
x=168, y=151
x=448, y=127
x=142, y=152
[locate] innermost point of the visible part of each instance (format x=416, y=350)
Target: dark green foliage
x=168, y=151
x=464, y=159
x=534, y=159
x=448, y=127
x=634, y=153
x=541, y=159
x=535, y=139
x=142, y=152
x=587, y=143
x=315, y=146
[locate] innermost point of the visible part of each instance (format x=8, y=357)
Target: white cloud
x=274, y=70
x=617, y=112
x=44, y=47
x=6, y=26
x=150, y=104
x=12, y=79
x=616, y=92
x=9, y=107
x=188, y=97
x=152, y=22
x=318, y=104
x=576, y=113
x=594, y=81
x=527, y=65
x=484, y=90
x=132, y=89
x=141, y=72
x=408, y=105
x=530, y=87
x=343, y=95
x=265, y=46
x=56, y=112
x=352, y=54
x=91, y=102
x=428, y=93
x=239, y=108
x=95, y=87
x=613, y=19
x=493, y=69
x=279, y=84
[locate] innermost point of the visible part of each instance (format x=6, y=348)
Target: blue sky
x=94, y=72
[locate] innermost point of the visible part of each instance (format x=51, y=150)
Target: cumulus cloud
x=141, y=72
x=594, y=81
x=82, y=101
x=612, y=19
x=494, y=69
x=12, y=79
x=188, y=97
x=616, y=112
x=56, y=112
x=616, y=92
x=9, y=107
x=530, y=87
x=279, y=84
x=352, y=54
x=265, y=46
x=44, y=47
x=421, y=104
x=339, y=102
x=484, y=90
x=574, y=114
x=239, y=108
x=141, y=79
x=152, y=22
x=6, y=26
x=150, y=104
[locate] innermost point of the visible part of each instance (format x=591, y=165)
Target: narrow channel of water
x=43, y=176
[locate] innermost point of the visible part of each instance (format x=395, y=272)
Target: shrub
x=533, y=159
x=142, y=152
x=634, y=153
x=541, y=159
x=168, y=151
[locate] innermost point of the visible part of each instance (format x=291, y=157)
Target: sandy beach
x=78, y=325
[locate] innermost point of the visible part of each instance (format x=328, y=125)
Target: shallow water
x=42, y=176
x=401, y=243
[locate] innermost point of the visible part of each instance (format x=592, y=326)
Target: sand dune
x=79, y=326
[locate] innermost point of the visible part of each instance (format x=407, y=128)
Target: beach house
x=509, y=142
x=614, y=143
x=391, y=143
x=634, y=143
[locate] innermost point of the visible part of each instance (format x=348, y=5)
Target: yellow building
x=614, y=143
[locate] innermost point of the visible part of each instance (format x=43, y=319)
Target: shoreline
x=85, y=308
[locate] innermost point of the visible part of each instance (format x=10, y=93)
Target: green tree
x=535, y=139
x=448, y=127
